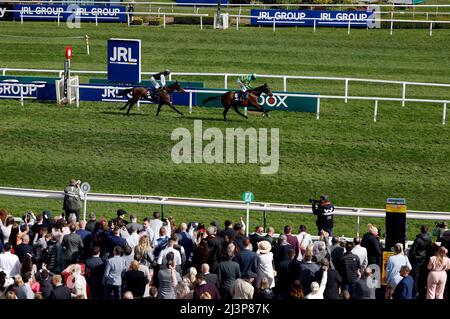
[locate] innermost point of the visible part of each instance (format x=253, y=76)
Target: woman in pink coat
x=437, y=277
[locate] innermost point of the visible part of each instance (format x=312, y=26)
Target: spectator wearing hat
x=72, y=199
x=90, y=225
x=133, y=223
x=371, y=242
x=265, y=264
x=242, y=287
x=120, y=217
x=324, y=211
x=9, y=262
x=204, y=286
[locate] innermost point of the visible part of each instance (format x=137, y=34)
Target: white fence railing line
x=238, y=5
x=220, y=204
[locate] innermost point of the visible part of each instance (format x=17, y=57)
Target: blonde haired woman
x=79, y=282
x=394, y=265
x=437, y=277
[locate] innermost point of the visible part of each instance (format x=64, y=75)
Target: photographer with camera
x=72, y=199
x=324, y=210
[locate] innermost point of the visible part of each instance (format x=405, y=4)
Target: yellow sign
x=386, y=255
x=391, y=208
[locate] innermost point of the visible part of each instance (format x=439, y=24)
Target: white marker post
x=248, y=197
x=85, y=187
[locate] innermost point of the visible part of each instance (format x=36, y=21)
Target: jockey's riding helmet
x=253, y=76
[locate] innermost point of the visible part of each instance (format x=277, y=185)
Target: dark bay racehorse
x=160, y=96
x=229, y=100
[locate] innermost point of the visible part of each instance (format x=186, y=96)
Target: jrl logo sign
x=124, y=60
x=122, y=55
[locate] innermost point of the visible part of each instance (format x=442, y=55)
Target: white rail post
x=128, y=19
x=375, y=111
x=87, y=45
x=346, y=90
x=318, y=108
x=164, y=19
x=84, y=206
x=21, y=95
x=273, y=24
x=21, y=18
x=358, y=223
x=237, y=22
x=285, y=83
x=348, y=32
x=314, y=28
x=58, y=19
x=403, y=93
x=431, y=29
x=245, y=111
x=444, y=114
x=226, y=81
x=96, y=20
x=190, y=102
x=78, y=95
x=201, y=22
x=139, y=106
x=392, y=26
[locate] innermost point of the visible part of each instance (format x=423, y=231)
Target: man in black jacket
x=73, y=246
x=59, y=291
x=95, y=268
x=324, y=210
x=350, y=266
x=371, y=242
x=419, y=254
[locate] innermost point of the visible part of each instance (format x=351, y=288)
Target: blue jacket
x=404, y=288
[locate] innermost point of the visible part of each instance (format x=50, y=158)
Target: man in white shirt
x=133, y=239
x=360, y=251
x=177, y=256
x=9, y=262
x=304, y=239
x=156, y=223
x=147, y=230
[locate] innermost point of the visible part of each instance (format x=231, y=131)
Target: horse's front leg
x=174, y=108
x=125, y=106
x=159, y=108
x=236, y=109
x=129, y=108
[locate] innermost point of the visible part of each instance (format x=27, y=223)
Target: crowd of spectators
x=58, y=257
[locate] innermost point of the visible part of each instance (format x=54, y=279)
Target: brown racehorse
x=160, y=96
x=229, y=100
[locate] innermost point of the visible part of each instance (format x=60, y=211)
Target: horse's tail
x=125, y=92
x=211, y=98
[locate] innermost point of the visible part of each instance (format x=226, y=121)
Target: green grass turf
x=358, y=162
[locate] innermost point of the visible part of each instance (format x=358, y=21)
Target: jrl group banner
x=70, y=12
x=306, y=18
